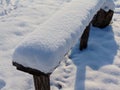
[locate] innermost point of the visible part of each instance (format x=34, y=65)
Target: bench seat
x=44, y=48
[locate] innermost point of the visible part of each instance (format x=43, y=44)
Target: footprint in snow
x=68, y=0
x=118, y=6
x=2, y=83
x=17, y=33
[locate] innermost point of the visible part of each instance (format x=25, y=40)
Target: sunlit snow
x=96, y=68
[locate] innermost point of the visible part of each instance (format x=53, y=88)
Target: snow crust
x=108, y=5
x=45, y=48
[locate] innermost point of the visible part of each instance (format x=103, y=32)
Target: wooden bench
x=42, y=51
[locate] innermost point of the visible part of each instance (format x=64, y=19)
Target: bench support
x=102, y=18
x=41, y=80
x=84, y=38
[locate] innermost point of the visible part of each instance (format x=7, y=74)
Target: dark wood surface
x=84, y=38
x=29, y=70
x=102, y=18
x=42, y=82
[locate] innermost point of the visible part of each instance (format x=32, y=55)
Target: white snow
x=46, y=47
x=96, y=68
x=6, y=6
x=108, y=5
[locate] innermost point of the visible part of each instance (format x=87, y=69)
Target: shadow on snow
x=101, y=51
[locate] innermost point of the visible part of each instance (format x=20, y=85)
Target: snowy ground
x=96, y=68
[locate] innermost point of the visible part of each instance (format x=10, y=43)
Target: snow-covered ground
x=96, y=68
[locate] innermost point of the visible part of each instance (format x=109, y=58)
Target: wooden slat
x=29, y=70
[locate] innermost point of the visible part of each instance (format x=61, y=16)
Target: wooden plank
x=29, y=70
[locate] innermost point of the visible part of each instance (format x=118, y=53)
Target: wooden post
x=41, y=80
x=84, y=38
x=102, y=18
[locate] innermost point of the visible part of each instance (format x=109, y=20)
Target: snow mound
x=45, y=48
x=108, y=5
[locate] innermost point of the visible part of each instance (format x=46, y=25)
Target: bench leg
x=84, y=38
x=102, y=18
x=42, y=82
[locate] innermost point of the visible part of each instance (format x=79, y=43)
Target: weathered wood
x=84, y=38
x=42, y=82
x=29, y=70
x=102, y=18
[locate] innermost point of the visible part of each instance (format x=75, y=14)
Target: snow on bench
x=41, y=52
x=47, y=45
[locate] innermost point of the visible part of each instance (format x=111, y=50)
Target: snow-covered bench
x=42, y=51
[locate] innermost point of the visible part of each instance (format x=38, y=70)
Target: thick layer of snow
x=45, y=48
x=109, y=5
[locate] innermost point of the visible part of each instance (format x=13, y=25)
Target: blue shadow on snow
x=101, y=51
